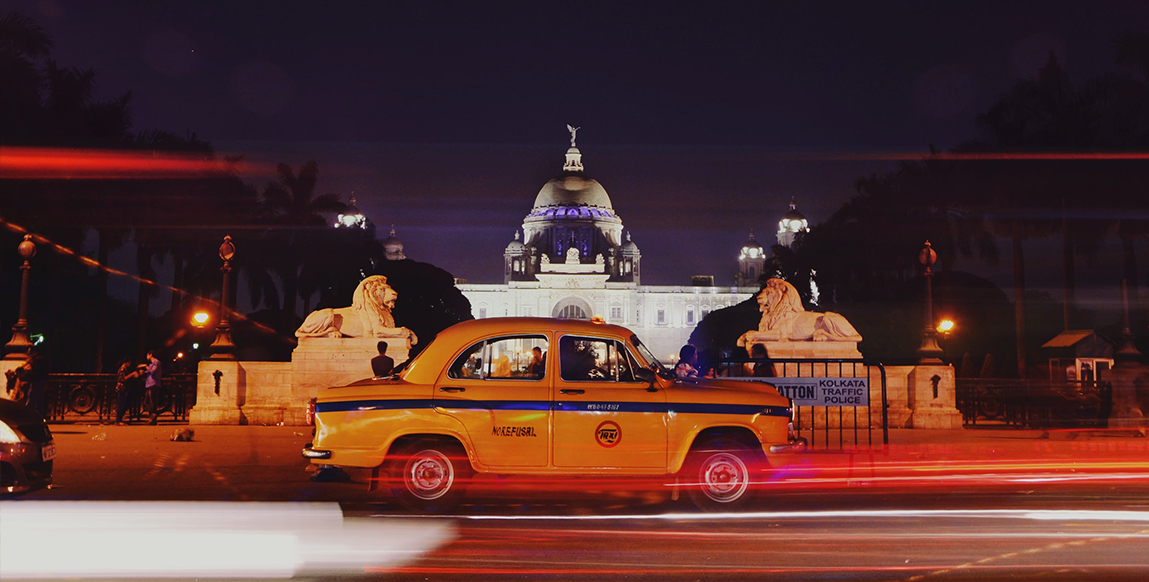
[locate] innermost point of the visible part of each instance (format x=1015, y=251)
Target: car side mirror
x=646, y=375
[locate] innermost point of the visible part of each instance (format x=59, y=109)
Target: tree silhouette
x=295, y=215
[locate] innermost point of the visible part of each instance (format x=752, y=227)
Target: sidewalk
x=141, y=462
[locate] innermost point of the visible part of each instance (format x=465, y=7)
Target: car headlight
x=9, y=436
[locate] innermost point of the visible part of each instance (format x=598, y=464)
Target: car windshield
x=648, y=355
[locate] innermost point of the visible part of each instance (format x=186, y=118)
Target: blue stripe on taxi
x=675, y=407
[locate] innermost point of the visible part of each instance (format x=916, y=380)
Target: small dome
x=793, y=214
x=751, y=250
x=793, y=220
x=393, y=247
x=628, y=247
x=516, y=247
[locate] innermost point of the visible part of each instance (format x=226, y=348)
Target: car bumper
x=310, y=453
x=797, y=445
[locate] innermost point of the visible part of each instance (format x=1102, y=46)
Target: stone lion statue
x=368, y=316
x=784, y=318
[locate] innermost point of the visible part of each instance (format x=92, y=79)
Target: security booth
x=1079, y=356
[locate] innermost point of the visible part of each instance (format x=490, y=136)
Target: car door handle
x=452, y=389
x=571, y=391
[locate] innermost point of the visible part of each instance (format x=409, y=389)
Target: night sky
x=700, y=119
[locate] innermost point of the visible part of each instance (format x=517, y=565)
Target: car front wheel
x=429, y=475
x=720, y=477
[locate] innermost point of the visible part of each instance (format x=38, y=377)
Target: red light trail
x=27, y=163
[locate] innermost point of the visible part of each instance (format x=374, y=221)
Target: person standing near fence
x=126, y=377
x=152, y=386
x=36, y=374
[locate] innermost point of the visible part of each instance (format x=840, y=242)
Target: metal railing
x=74, y=397
x=821, y=426
x=1039, y=404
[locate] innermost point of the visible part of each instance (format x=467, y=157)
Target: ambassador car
x=490, y=396
x=26, y=449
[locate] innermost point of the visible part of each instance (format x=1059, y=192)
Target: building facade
x=574, y=259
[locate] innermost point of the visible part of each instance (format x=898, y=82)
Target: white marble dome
x=573, y=190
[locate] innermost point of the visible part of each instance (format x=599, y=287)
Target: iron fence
x=93, y=396
x=851, y=426
x=1039, y=404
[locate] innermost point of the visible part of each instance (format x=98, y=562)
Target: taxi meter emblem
x=608, y=434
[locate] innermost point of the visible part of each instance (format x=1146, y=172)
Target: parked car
x=478, y=401
x=26, y=449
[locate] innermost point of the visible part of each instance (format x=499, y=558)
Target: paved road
x=935, y=505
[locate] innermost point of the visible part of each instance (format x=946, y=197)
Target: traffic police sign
x=822, y=391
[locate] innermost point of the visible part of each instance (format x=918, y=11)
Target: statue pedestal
x=278, y=392
x=932, y=398
x=1130, y=397
x=219, y=405
x=322, y=362
x=832, y=350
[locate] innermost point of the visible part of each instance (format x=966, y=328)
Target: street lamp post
x=930, y=352
x=19, y=345
x=1128, y=352
x=222, y=348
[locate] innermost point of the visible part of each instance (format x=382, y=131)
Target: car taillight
x=311, y=412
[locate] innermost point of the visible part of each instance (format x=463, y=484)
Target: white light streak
x=122, y=540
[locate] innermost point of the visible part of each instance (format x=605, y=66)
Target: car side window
x=516, y=358
x=507, y=358
x=469, y=364
x=594, y=360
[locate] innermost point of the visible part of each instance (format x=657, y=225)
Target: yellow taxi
x=551, y=397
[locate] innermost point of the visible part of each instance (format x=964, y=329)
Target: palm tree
x=42, y=103
x=1126, y=120
x=185, y=219
x=1050, y=114
x=1032, y=198
x=294, y=213
x=22, y=43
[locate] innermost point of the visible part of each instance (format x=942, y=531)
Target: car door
x=604, y=416
x=501, y=399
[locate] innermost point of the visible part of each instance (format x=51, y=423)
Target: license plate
x=48, y=451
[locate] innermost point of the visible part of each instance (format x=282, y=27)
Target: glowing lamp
x=946, y=326
x=200, y=318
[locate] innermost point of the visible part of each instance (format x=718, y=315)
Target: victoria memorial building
x=574, y=259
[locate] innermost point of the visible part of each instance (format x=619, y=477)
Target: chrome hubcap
x=429, y=475
x=724, y=477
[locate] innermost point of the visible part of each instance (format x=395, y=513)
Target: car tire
x=719, y=475
x=429, y=475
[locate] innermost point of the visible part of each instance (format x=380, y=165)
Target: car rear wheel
x=429, y=475
x=719, y=476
